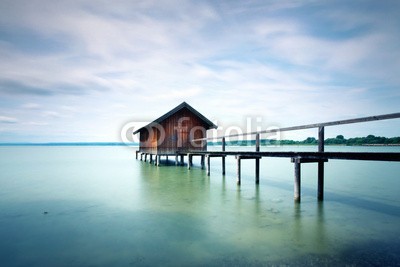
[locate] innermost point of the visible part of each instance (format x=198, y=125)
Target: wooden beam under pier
x=239, y=158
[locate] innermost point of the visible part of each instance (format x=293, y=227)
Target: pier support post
x=176, y=160
x=182, y=161
x=145, y=157
x=257, y=159
x=223, y=165
x=190, y=161
x=238, y=181
x=320, y=181
x=321, y=141
x=257, y=170
x=151, y=158
x=297, y=180
x=223, y=157
x=208, y=165
x=141, y=156
x=137, y=151
x=202, y=162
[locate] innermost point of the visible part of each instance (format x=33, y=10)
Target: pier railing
x=320, y=126
x=302, y=157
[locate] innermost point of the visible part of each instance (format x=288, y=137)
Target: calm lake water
x=98, y=206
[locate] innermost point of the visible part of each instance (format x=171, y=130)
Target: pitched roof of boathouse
x=184, y=105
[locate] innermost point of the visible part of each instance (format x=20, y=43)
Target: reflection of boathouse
x=173, y=132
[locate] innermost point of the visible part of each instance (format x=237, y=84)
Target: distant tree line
x=338, y=140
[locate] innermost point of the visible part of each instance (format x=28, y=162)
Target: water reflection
x=258, y=221
x=320, y=225
x=297, y=231
x=257, y=200
x=310, y=230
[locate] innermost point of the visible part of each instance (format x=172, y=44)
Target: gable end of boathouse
x=175, y=131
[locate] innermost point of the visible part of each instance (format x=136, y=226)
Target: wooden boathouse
x=174, y=133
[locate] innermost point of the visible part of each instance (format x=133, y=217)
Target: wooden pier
x=297, y=158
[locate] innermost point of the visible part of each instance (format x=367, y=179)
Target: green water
x=98, y=206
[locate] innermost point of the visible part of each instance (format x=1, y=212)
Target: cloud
x=87, y=65
x=6, y=119
x=37, y=123
x=41, y=88
x=16, y=88
x=31, y=106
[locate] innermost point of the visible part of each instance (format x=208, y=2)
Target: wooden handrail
x=309, y=126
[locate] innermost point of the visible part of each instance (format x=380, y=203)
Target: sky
x=91, y=71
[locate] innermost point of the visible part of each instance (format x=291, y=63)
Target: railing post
x=321, y=141
x=257, y=159
x=223, y=157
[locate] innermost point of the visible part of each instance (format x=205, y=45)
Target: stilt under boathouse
x=173, y=134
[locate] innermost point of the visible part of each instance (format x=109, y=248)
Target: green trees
x=339, y=140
